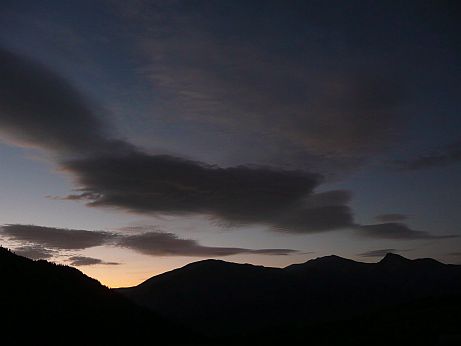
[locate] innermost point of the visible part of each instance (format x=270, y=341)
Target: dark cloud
x=309, y=220
x=396, y=231
x=37, y=107
x=377, y=253
x=56, y=238
x=394, y=217
x=41, y=109
x=34, y=252
x=144, y=183
x=155, y=243
x=327, y=199
x=349, y=111
x=168, y=244
x=444, y=157
x=87, y=261
x=280, y=91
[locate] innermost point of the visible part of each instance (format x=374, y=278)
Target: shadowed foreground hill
x=329, y=300
x=47, y=304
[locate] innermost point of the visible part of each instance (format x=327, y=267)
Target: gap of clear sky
x=138, y=136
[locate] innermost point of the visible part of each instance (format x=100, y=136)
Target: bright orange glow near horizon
x=140, y=267
x=134, y=268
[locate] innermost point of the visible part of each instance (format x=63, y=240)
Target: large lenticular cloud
x=39, y=108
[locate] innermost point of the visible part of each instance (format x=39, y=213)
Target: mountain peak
x=328, y=261
x=217, y=263
x=331, y=259
x=394, y=258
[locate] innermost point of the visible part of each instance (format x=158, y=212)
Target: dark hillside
x=45, y=303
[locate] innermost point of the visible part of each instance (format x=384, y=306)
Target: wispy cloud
x=395, y=217
x=87, y=261
x=34, y=252
x=168, y=244
x=56, y=238
x=378, y=253
x=445, y=156
x=348, y=112
x=397, y=231
x=45, y=242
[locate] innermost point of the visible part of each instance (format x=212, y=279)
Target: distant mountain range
x=325, y=301
x=254, y=303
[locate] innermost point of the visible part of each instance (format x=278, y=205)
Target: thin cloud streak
x=34, y=252
x=56, y=238
x=50, y=240
x=378, y=253
x=446, y=156
x=87, y=261
x=395, y=217
x=396, y=231
x=168, y=244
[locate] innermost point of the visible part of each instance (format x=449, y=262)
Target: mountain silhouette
x=325, y=301
x=243, y=302
x=47, y=304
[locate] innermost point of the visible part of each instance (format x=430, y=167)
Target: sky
x=139, y=136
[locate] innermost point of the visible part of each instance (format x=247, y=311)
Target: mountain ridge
x=324, y=301
x=212, y=295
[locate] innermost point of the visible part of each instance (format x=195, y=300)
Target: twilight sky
x=138, y=136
